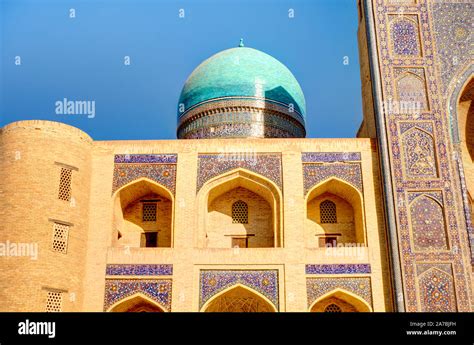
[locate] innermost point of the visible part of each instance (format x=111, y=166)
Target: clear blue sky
x=82, y=58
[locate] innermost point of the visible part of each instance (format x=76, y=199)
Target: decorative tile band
x=212, y=282
x=158, y=290
x=265, y=164
x=273, y=127
x=317, y=287
x=146, y=158
x=139, y=270
x=316, y=173
x=338, y=269
x=309, y=157
x=237, y=104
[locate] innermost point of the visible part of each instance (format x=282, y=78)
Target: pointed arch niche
x=340, y=300
x=137, y=303
x=428, y=224
x=345, y=226
x=143, y=215
x=259, y=227
x=405, y=35
x=419, y=153
x=465, y=119
x=411, y=92
x=240, y=299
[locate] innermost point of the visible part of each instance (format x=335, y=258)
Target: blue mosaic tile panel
x=359, y=286
x=164, y=174
x=139, y=270
x=212, y=282
x=146, y=158
x=325, y=157
x=316, y=173
x=435, y=282
x=338, y=269
x=405, y=35
x=444, y=27
x=265, y=164
x=159, y=290
x=452, y=29
x=419, y=150
x=428, y=225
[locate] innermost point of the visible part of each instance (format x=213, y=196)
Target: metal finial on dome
x=241, y=44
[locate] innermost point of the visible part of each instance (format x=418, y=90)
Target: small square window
x=149, y=212
x=54, y=301
x=65, y=184
x=240, y=212
x=60, y=238
x=327, y=212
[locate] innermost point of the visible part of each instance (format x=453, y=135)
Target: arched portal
x=137, y=303
x=239, y=209
x=239, y=299
x=340, y=301
x=465, y=119
x=143, y=215
x=334, y=215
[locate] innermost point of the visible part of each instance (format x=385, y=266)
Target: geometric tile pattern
x=452, y=28
x=211, y=282
x=405, y=35
x=265, y=164
x=314, y=173
x=158, y=168
x=428, y=225
x=338, y=269
x=139, y=270
x=359, y=286
x=436, y=288
x=158, y=290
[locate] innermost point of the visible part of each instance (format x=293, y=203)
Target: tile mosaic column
x=410, y=69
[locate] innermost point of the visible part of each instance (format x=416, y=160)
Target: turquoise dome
x=243, y=73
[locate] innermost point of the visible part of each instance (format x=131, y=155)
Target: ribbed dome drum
x=241, y=92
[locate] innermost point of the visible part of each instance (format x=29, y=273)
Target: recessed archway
x=340, y=300
x=136, y=303
x=240, y=299
x=222, y=202
x=334, y=215
x=465, y=119
x=143, y=215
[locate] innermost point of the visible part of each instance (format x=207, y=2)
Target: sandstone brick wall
x=33, y=180
x=219, y=226
x=29, y=205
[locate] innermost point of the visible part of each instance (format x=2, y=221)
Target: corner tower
x=238, y=93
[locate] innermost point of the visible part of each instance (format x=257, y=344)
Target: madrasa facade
x=242, y=212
